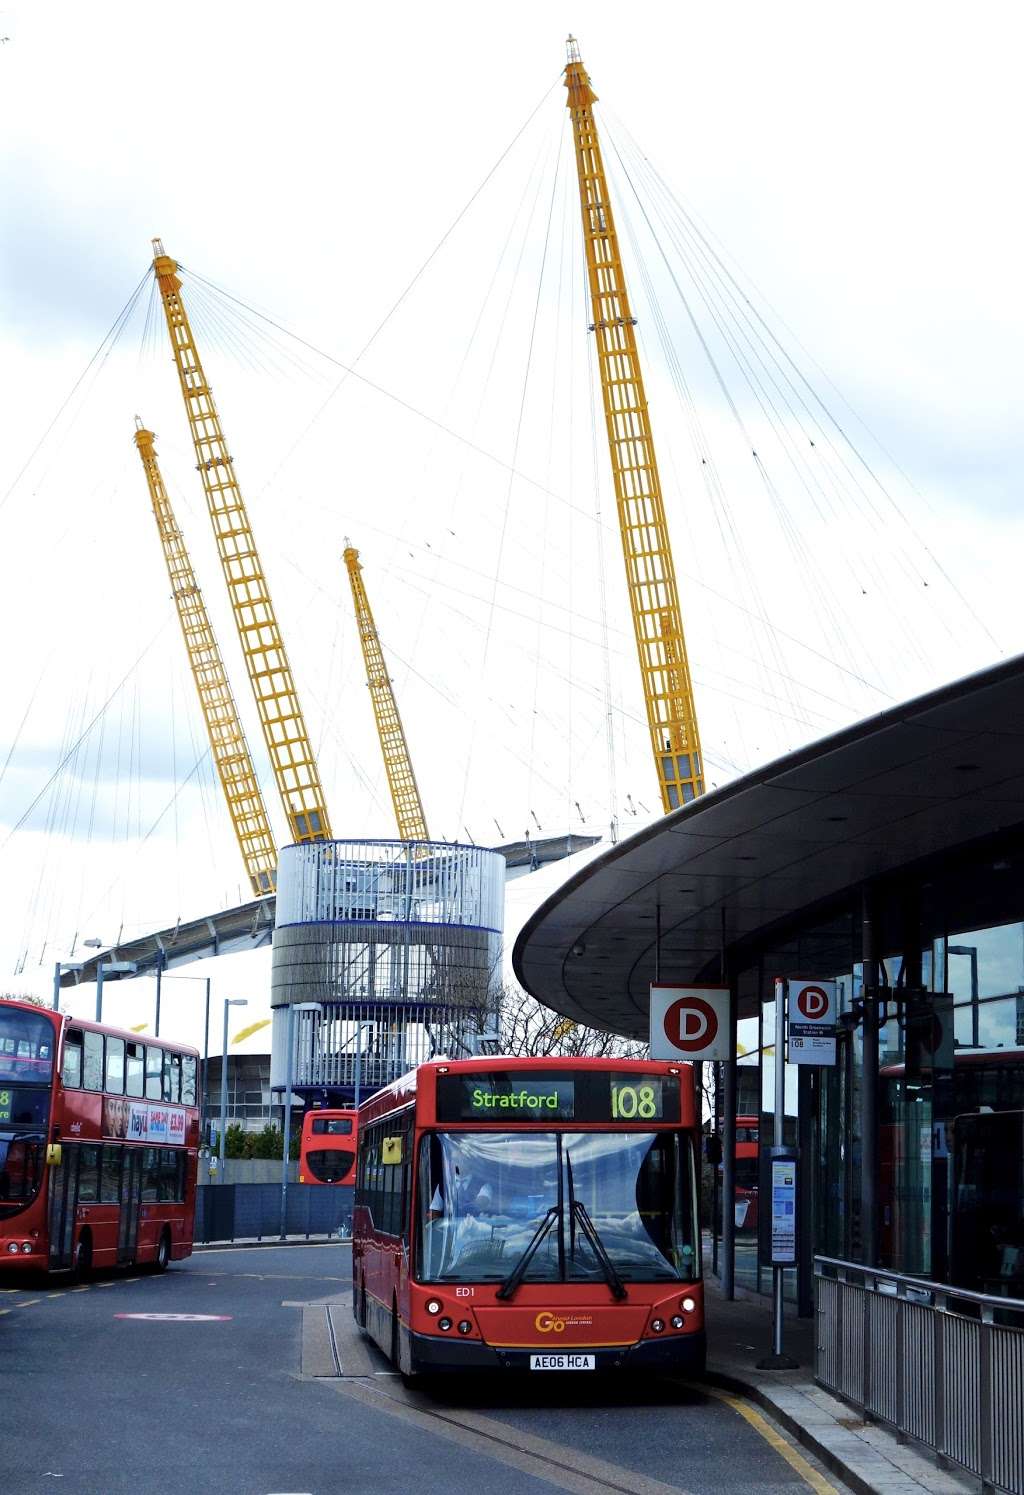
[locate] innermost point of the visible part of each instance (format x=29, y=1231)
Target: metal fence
x=938, y=1364
x=236, y=1212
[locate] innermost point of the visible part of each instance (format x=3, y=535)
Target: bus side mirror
x=713, y=1150
x=391, y=1151
x=53, y=1154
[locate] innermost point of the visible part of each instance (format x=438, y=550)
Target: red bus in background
x=327, y=1153
x=99, y=1135
x=746, y=1172
x=531, y=1214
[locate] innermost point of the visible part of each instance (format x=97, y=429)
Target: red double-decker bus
x=327, y=1152
x=533, y=1214
x=99, y=1135
x=746, y=1172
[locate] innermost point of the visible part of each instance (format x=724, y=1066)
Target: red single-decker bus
x=327, y=1153
x=99, y=1135
x=531, y=1214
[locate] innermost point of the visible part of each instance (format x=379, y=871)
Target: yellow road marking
x=761, y=1425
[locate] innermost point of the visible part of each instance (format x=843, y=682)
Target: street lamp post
x=228, y=1002
x=359, y=1058
x=58, y=970
x=293, y=1007
x=110, y=968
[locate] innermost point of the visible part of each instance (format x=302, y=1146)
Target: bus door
x=131, y=1191
x=62, y=1208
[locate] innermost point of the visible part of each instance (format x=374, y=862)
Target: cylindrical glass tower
x=399, y=943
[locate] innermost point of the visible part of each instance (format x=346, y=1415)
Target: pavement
x=865, y=1456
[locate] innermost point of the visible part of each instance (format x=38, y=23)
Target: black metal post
x=159, y=979
x=869, y=1079
x=729, y=1155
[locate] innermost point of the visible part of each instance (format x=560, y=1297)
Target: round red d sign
x=813, y=1003
x=690, y=1025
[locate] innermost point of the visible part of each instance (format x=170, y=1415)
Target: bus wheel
x=163, y=1252
x=82, y=1267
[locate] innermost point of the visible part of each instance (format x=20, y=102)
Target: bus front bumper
x=679, y=1354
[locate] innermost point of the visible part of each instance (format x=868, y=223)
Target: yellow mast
x=650, y=572
x=405, y=796
x=284, y=728
x=227, y=738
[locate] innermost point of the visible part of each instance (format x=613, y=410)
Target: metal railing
x=938, y=1364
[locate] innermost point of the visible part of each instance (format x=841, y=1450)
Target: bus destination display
x=517, y=1096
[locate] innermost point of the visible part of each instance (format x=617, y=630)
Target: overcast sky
x=859, y=167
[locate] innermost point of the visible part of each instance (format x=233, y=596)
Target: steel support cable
x=547, y=472
x=54, y=813
x=533, y=178
x=722, y=314
x=85, y=733
x=787, y=525
x=729, y=535
x=588, y=690
x=113, y=332
x=779, y=426
x=527, y=367
x=420, y=272
x=673, y=360
x=829, y=415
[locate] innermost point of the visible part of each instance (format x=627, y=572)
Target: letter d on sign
x=689, y=1022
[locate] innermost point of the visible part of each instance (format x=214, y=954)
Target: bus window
x=88, y=1175
x=332, y=1126
x=110, y=1175
x=172, y=1077
x=150, y=1173
x=188, y=1080
x=92, y=1061
x=154, y=1073
x=168, y=1173
x=115, y=1066
x=71, y=1065
x=134, y=1080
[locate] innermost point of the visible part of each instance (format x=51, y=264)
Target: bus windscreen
x=485, y=1195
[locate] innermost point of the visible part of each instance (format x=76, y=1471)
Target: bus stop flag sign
x=812, y=1022
x=689, y=1022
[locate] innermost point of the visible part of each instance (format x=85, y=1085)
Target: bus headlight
x=434, y=1306
x=444, y=1323
x=657, y=1325
x=12, y=1247
x=687, y=1305
x=465, y=1327
x=678, y=1321
x=26, y=1247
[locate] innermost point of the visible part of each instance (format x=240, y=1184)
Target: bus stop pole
x=728, y=1278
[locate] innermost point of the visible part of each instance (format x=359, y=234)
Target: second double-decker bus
x=327, y=1152
x=99, y=1134
x=531, y=1214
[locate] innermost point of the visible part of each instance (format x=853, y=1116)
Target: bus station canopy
x=917, y=780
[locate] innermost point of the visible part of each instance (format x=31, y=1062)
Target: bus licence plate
x=561, y=1362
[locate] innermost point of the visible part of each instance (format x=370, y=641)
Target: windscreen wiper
x=518, y=1272
x=605, y=1262
x=578, y=1211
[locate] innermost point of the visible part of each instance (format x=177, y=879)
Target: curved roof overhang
x=918, y=780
